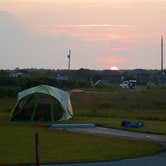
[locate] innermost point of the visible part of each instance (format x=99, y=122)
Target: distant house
x=17, y=74
x=60, y=77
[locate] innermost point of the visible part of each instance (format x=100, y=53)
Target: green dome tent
x=42, y=103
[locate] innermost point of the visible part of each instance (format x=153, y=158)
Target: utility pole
x=69, y=55
x=162, y=58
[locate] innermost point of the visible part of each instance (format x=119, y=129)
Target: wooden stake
x=37, y=149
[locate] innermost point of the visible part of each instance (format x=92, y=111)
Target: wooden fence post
x=37, y=149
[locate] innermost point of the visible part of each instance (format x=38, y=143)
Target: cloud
x=19, y=47
x=84, y=27
x=22, y=48
x=94, y=46
x=91, y=32
x=95, y=26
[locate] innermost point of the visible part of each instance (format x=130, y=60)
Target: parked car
x=128, y=84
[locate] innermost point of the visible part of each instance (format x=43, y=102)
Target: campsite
x=82, y=82
x=105, y=107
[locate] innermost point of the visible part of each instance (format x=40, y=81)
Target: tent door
x=42, y=111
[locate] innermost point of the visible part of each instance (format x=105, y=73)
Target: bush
x=9, y=91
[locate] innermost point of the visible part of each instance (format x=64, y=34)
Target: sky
x=100, y=33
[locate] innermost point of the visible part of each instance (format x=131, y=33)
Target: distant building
x=60, y=77
x=17, y=74
x=128, y=84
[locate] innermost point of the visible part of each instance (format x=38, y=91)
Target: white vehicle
x=128, y=84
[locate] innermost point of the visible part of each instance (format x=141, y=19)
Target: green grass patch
x=17, y=140
x=6, y=104
x=156, y=127
x=106, y=108
x=17, y=146
x=121, y=99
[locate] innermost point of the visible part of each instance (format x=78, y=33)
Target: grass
x=121, y=99
x=157, y=127
x=111, y=106
x=17, y=146
x=6, y=104
x=105, y=109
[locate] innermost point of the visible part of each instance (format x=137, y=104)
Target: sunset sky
x=100, y=33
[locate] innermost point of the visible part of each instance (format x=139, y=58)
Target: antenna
x=69, y=55
x=162, y=58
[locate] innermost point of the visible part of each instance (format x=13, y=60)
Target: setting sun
x=114, y=68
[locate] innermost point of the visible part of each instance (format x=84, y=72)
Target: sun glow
x=114, y=68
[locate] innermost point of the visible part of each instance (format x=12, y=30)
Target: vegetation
x=17, y=144
x=157, y=127
x=146, y=104
x=105, y=107
x=12, y=81
x=18, y=84
x=109, y=107
x=96, y=106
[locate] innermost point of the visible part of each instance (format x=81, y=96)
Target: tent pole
x=34, y=108
x=12, y=112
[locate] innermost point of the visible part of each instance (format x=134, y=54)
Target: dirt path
x=101, y=131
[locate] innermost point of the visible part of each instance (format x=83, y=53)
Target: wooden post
x=37, y=149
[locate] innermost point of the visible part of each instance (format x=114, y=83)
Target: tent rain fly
x=42, y=103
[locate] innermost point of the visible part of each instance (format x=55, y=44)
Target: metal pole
x=69, y=59
x=37, y=149
x=162, y=66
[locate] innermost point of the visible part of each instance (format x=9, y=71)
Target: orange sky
x=99, y=30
